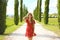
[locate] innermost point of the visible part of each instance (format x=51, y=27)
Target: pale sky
x=31, y=4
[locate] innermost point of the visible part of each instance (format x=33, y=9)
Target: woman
x=30, y=26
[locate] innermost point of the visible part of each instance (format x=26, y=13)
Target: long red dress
x=30, y=29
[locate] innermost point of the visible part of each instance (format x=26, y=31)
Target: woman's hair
x=31, y=17
x=30, y=14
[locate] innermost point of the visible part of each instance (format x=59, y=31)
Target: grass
x=10, y=27
x=1, y=37
x=9, y=21
x=52, y=25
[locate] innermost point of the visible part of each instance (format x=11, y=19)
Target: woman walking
x=30, y=26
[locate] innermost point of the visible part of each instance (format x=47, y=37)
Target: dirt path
x=42, y=34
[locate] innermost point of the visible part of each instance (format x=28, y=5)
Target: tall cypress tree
x=36, y=13
x=25, y=10
x=21, y=10
x=59, y=13
x=16, y=16
x=3, y=5
x=46, y=11
x=39, y=10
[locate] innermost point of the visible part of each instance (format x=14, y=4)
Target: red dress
x=30, y=29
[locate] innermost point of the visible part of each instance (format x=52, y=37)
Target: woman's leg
x=30, y=38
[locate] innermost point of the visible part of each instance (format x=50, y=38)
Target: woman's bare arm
x=25, y=18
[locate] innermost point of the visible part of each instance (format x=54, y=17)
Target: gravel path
x=42, y=34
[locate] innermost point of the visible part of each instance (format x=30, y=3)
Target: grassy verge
x=9, y=21
x=10, y=27
x=52, y=25
x=1, y=37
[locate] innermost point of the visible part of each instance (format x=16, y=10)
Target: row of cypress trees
x=23, y=11
x=35, y=14
x=16, y=16
x=3, y=5
x=37, y=11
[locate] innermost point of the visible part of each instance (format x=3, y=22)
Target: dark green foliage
x=25, y=11
x=16, y=16
x=39, y=10
x=36, y=13
x=59, y=13
x=3, y=5
x=46, y=11
x=21, y=10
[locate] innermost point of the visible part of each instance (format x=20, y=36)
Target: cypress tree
x=46, y=11
x=36, y=13
x=39, y=10
x=21, y=10
x=59, y=13
x=16, y=16
x=3, y=5
x=25, y=10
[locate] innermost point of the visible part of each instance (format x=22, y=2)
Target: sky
x=31, y=5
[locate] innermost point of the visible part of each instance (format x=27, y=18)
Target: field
x=10, y=27
x=52, y=25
